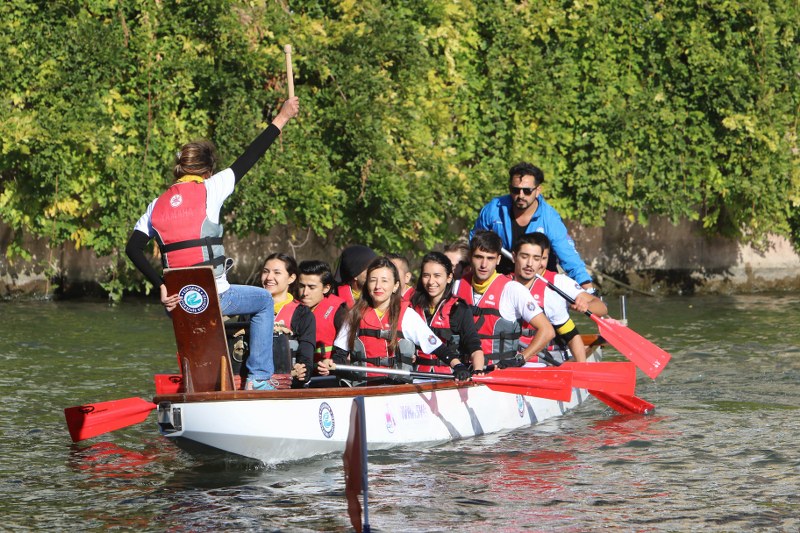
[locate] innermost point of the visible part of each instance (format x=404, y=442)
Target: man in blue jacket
x=523, y=211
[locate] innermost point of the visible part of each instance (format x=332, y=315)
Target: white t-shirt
x=515, y=302
x=413, y=327
x=218, y=188
x=555, y=307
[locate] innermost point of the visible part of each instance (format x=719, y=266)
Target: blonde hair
x=196, y=158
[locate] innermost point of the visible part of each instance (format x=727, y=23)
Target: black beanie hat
x=353, y=261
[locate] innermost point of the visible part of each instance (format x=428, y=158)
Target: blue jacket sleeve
x=564, y=248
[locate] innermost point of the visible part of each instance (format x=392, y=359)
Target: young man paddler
x=531, y=254
x=499, y=304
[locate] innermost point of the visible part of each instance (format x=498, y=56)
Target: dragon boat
x=201, y=406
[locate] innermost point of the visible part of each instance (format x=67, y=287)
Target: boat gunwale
x=315, y=393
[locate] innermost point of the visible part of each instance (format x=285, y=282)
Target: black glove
x=461, y=372
x=516, y=362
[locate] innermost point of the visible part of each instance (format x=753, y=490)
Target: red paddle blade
x=542, y=383
x=614, y=377
x=90, y=420
x=625, y=404
x=646, y=355
x=168, y=383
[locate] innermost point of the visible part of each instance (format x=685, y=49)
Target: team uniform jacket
x=200, y=203
x=497, y=217
x=498, y=313
x=412, y=327
x=326, y=312
x=452, y=322
x=346, y=294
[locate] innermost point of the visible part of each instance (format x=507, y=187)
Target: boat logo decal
x=520, y=405
x=326, y=422
x=86, y=409
x=194, y=299
x=390, y=423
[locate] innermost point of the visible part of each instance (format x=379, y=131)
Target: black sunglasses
x=526, y=190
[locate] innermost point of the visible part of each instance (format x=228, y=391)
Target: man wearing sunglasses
x=524, y=210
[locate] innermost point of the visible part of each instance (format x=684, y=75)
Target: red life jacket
x=537, y=291
x=499, y=337
x=286, y=313
x=346, y=294
x=440, y=325
x=184, y=233
x=373, y=332
x=324, y=313
x=283, y=345
x=408, y=294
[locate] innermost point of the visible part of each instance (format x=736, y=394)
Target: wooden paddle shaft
x=287, y=49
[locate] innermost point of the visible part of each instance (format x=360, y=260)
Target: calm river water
x=720, y=453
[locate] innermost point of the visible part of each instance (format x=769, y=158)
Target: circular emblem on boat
x=176, y=200
x=194, y=299
x=326, y=422
x=520, y=405
x=86, y=409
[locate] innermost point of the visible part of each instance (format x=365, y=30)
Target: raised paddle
x=552, y=385
x=644, y=354
x=90, y=420
x=287, y=49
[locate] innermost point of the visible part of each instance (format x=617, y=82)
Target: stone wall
x=659, y=258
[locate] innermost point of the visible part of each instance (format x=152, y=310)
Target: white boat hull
x=291, y=427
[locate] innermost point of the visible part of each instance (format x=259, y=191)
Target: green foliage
x=411, y=113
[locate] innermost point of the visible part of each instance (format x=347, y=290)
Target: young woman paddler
x=378, y=323
x=449, y=317
x=295, y=334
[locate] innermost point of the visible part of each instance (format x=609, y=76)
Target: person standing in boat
x=530, y=258
x=499, y=305
x=186, y=224
x=352, y=272
x=449, y=317
x=315, y=290
x=524, y=210
x=381, y=331
x=295, y=336
x=404, y=270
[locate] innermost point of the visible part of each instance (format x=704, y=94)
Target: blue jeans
x=249, y=300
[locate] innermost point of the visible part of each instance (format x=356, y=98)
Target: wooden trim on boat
x=298, y=394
